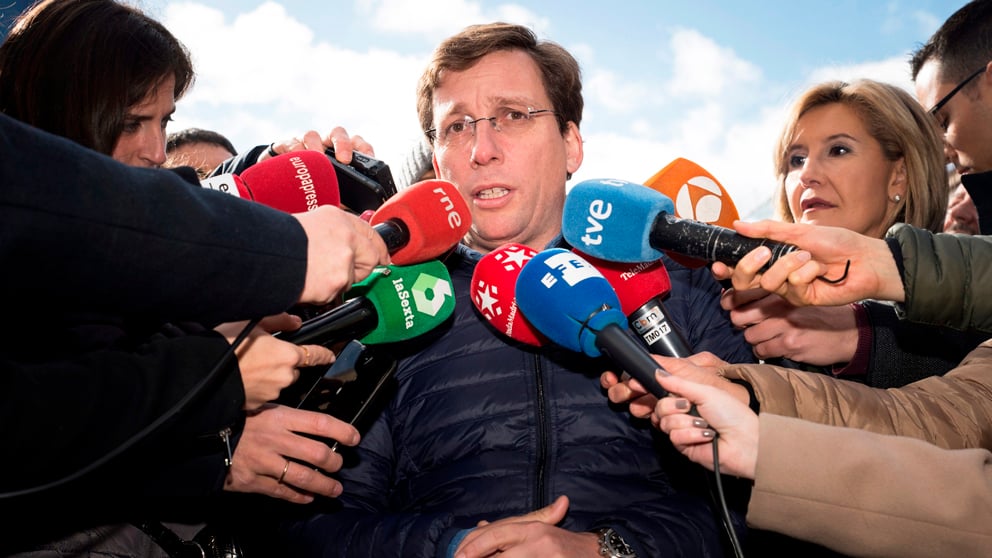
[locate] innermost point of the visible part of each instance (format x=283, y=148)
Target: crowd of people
x=847, y=388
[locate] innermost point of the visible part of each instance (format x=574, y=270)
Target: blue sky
x=707, y=80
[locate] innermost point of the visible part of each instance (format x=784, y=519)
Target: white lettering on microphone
x=306, y=182
x=598, y=211
x=454, y=219
x=404, y=296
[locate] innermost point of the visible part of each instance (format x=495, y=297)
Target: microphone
x=494, y=283
x=570, y=302
x=641, y=288
x=423, y=221
x=698, y=196
x=394, y=303
x=622, y=221
x=293, y=182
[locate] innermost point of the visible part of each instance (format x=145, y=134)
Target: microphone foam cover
x=494, y=284
x=294, y=182
x=567, y=299
x=410, y=300
x=611, y=219
x=229, y=183
x=634, y=283
x=435, y=214
x=698, y=196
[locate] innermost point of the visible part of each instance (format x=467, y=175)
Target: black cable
x=724, y=512
x=148, y=430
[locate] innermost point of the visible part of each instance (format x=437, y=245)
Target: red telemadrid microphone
x=697, y=195
x=641, y=288
x=494, y=284
x=422, y=222
x=293, y=182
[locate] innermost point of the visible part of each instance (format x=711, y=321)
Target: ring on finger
x=284, y=470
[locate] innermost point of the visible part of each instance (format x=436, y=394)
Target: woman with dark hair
x=98, y=72
x=107, y=76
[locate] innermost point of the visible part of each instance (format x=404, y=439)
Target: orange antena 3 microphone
x=698, y=195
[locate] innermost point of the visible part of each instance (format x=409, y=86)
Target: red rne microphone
x=493, y=291
x=293, y=182
x=422, y=222
x=641, y=288
x=697, y=195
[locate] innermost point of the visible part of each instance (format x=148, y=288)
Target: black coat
x=481, y=427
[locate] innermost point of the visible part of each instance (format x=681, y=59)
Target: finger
x=280, y=322
x=721, y=271
x=311, y=141
x=314, y=355
x=341, y=142
x=608, y=379
x=308, y=479
x=358, y=143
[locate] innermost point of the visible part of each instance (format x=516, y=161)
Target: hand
x=701, y=367
x=341, y=250
x=533, y=534
x=825, y=252
x=775, y=328
x=736, y=424
x=268, y=364
x=343, y=144
x=272, y=437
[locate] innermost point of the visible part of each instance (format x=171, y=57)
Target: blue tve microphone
x=623, y=221
x=572, y=304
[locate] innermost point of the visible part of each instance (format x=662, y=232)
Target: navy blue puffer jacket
x=484, y=428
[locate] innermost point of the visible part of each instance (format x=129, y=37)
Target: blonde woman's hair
x=897, y=121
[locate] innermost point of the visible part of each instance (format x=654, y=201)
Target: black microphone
x=622, y=221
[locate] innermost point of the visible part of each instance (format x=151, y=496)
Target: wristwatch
x=612, y=545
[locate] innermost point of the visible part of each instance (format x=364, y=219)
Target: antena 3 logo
x=700, y=199
x=428, y=292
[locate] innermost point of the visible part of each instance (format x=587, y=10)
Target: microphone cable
x=148, y=430
x=722, y=501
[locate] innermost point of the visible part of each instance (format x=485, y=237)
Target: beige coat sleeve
x=865, y=494
x=951, y=411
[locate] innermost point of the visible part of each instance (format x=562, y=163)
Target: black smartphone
x=353, y=388
x=365, y=183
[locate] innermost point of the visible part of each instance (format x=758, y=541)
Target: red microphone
x=494, y=284
x=697, y=195
x=641, y=287
x=293, y=182
x=422, y=222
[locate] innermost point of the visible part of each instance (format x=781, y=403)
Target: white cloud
x=443, y=17
x=702, y=67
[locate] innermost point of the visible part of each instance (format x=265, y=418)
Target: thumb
x=553, y=513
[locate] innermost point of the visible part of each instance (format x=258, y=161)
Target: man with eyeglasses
x=486, y=436
x=953, y=77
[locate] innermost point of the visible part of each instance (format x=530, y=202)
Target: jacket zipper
x=542, y=435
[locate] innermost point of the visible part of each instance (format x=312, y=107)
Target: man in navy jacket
x=482, y=428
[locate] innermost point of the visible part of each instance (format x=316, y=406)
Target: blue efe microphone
x=568, y=300
x=623, y=221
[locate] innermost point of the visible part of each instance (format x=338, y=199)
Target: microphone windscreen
x=229, y=183
x=294, y=182
x=435, y=214
x=567, y=299
x=494, y=285
x=698, y=196
x=634, y=283
x=410, y=300
x=611, y=219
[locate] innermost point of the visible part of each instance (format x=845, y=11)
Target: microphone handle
x=394, y=233
x=709, y=242
x=351, y=320
x=617, y=344
x=660, y=335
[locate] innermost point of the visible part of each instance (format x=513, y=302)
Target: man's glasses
x=507, y=120
x=940, y=104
